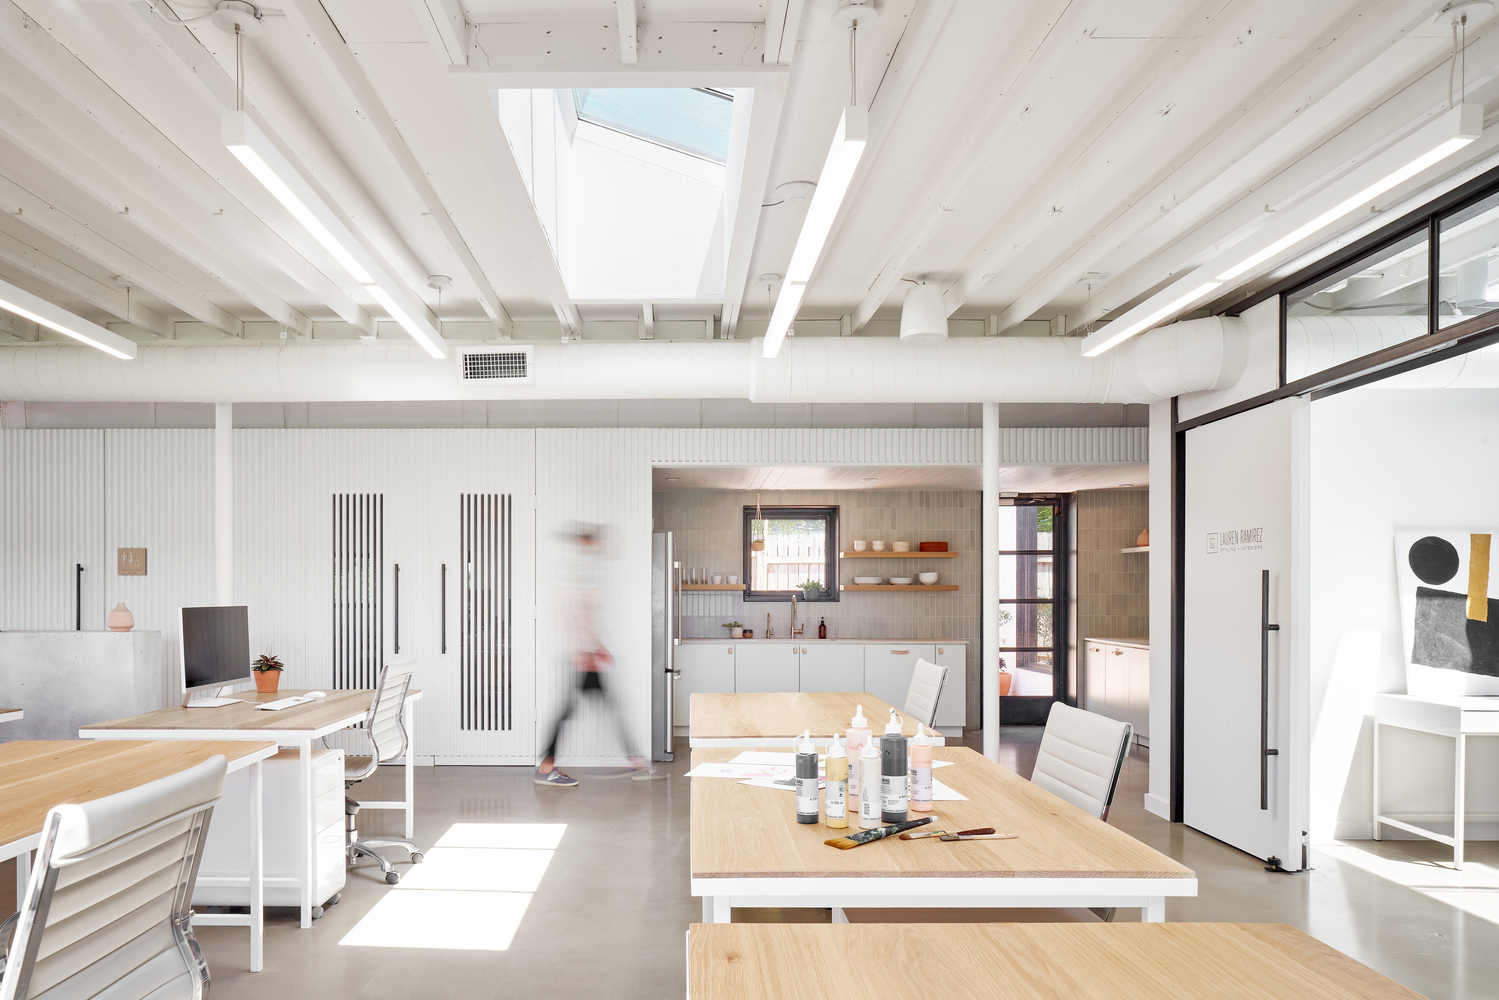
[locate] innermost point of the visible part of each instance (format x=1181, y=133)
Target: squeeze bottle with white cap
x=869, y=788
x=806, y=779
x=836, y=807
x=894, y=772
x=921, y=772
x=858, y=738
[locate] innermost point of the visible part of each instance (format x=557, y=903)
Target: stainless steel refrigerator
x=666, y=635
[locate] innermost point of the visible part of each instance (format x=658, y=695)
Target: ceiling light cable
x=853, y=64
x=239, y=69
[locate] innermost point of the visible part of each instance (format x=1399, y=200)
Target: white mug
x=879, y=546
x=733, y=578
x=860, y=546
x=717, y=578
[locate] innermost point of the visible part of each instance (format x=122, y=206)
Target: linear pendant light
x=837, y=173
x=1421, y=149
x=39, y=310
x=261, y=157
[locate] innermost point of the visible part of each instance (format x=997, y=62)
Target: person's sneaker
x=648, y=773
x=555, y=779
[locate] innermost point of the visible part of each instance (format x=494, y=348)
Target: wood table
x=296, y=726
x=36, y=775
x=11, y=714
x=749, y=850
x=1024, y=962
x=775, y=719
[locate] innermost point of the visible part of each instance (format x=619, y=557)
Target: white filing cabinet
x=226, y=854
x=1117, y=682
x=888, y=670
x=773, y=666
x=707, y=667
x=832, y=666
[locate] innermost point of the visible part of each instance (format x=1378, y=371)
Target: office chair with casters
x=926, y=688
x=108, y=910
x=388, y=742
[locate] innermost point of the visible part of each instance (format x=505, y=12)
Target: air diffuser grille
x=496, y=364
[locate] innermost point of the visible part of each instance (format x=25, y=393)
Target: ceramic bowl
x=869, y=581
x=902, y=581
x=879, y=546
x=928, y=578
x=901, y=547
x=860, y=545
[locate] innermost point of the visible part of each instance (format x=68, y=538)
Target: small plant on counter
x=267, y=661
x=267, y=673
x=736, y=629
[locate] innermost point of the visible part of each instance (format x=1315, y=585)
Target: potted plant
x=736, y=629
x=267, y=673
x=810, y=589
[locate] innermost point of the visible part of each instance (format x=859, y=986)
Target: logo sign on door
x=1237, y=540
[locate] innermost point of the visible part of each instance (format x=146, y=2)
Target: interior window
x=787, y=547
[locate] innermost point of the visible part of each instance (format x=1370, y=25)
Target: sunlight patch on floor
x=1473, y=890
x=470, y=894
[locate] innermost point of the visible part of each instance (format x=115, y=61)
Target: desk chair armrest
x=7, y=929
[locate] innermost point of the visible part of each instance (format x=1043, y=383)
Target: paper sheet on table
x=741, y=771
x=789, y=759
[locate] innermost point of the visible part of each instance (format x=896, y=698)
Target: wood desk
x=749, y=850
x=36, y=775
x=296, y=727
x=775, y=719
x=11, y=715
x=1024, y=962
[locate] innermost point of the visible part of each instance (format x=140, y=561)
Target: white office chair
x=108, y=909
x=388, y=742
x=926, y=688
x=1081, y=756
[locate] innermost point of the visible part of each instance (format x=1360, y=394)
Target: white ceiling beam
x=348, y=77
x=629, y=31
x=107, y=252
x=647, y=322
x=42, y=269
x=783, y=19
x=447, y=27
x=766, y=104
x=70, y=82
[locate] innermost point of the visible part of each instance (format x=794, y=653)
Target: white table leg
x=257, y=868
x=410, y=720
x=23, y=875
x=1459, y=800
x=1374, y=791
x=839, y=917
x=716, y=909
x=309, y=830
x=1154, y=910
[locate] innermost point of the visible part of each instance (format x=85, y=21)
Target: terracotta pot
x=1144, y=538
x=1005, y=680
x=120, y=619
x=267, y=681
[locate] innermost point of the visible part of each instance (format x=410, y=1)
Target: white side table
x=1456, y=717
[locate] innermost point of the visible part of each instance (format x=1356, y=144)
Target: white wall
x=1384, y=459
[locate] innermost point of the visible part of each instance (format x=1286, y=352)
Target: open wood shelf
x=1137, y=548
x=900, y=555
x=712, y=586
x=899, y=586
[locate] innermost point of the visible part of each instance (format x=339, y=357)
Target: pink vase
x=120, y=619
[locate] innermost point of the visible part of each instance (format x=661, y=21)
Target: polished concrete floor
x=598, y=909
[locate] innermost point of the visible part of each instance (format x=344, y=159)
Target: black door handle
x=1266, y=752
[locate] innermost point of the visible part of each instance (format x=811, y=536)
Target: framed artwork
x=1449, y=606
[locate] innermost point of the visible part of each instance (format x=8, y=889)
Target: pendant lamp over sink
x=923, y=318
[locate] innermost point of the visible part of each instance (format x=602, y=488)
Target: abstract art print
x=1449, y=612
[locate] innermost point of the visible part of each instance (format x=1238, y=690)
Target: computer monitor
x=215, y=648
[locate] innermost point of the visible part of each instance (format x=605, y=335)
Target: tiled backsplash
x=708, y=531
x=1113, y=587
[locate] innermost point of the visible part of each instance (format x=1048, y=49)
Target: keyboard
x=276, y=706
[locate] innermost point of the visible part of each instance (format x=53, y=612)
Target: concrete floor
x=607, y=917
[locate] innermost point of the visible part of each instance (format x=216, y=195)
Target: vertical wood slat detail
x=485, y=643
x=358, y=560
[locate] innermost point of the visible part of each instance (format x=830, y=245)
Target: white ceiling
x=1017, y=479
x=1041, y=158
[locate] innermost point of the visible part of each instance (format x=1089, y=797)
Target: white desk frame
x=302, y=739
x=255, y=919
x=721, y=895
x=1454, y=717
x=14, y=715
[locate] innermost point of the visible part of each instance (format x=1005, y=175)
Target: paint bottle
x=806, y=779
x=822, y=629
x=921, y=772
x=836, y=808
x=859, y=735
x=894, y=772
x=869, y=787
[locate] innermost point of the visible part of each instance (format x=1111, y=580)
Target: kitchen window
x=785, y=547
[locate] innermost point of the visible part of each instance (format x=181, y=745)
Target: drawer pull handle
x=900, y=652
x=1118, y=652
x=939, y=650
x=804, y=649
x=731, y=650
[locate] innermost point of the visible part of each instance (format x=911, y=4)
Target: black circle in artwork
x=1434, y=560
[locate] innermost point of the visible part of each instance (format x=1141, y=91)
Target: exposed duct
x=1183, y=357
x=1317, y=343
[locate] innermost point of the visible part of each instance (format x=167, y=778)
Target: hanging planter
x=757, y=528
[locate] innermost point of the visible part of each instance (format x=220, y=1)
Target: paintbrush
x=991, y=835
x=942, y=833
x=848, y=843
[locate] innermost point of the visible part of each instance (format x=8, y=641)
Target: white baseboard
x=1364, y=830
x=1157, y=806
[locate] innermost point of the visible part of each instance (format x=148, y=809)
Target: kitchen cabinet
x=1116, y=682
x=952, y=706
x=888, y=670
x=773, y=666
x=706, y=667
x=832, y=666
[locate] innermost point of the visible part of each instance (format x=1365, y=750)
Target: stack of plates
x=868, y=581
x=902, y=581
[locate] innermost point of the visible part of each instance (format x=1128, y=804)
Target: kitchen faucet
x=796, y=629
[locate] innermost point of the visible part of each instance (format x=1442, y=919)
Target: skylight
x=694, y=121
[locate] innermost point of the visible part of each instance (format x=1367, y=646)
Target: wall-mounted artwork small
x=1449, y=612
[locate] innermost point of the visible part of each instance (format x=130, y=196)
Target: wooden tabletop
x=741, y=831
x=783, y=715
x=36, y=775
x=315, y=715
x=1018, y=961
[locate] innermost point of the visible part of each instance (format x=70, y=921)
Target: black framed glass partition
x=1033, y=590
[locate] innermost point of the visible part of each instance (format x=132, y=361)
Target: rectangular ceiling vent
x=500, y=364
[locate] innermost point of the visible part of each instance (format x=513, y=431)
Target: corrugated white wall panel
x=51, y=519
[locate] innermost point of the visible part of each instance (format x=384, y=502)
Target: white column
x=1162, y=445
x=987, y=538
x=223, y=502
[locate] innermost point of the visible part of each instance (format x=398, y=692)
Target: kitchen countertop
x=1137, y=643
x=802, y=640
